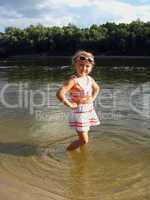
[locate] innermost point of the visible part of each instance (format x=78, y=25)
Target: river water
x=34, y=134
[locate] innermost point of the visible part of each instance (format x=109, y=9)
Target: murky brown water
x=114, y=165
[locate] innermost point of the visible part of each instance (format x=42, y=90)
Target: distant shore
x=65, y=61
x=26, y=57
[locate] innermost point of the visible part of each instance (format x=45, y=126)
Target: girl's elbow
x=98, y=88
x=58, y=94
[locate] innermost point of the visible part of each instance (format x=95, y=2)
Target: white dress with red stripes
x=84, y=116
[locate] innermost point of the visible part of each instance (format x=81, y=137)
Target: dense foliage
x=106, y=39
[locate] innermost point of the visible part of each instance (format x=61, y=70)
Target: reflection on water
x=115, y=163
x=59, y=73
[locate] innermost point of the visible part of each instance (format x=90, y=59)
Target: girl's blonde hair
x=84, y=53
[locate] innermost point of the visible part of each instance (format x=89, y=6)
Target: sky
x=83, y=13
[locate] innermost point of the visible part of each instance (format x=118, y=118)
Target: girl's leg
x=83, y=139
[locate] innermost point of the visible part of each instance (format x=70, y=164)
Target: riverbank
x=54, y=61
x=59, y=56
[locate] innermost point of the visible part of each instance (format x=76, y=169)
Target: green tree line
x=107, y=39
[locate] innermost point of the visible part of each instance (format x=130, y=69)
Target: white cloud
x=11, y=14
x=13, y=18
x=79, y=12
x=122, y=12
x=63, y=3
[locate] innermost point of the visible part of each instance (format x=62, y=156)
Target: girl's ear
x=72, y=65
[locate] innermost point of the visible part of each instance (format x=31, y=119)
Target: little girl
x=83, y=91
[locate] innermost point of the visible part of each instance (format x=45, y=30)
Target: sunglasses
x=89, y=59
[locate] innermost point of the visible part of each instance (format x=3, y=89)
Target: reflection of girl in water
x=83, y=91
x=80, y=175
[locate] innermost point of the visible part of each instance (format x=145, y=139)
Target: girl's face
x=83, y=68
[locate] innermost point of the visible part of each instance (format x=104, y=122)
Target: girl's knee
x=86, y=140
x=83, y=137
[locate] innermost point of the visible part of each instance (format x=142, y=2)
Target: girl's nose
x=84, y=67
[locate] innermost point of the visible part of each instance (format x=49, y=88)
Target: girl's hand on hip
x=87, y=100
x=90, y=99
x=73, y=105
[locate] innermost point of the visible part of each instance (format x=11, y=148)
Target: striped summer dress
x=84, y=116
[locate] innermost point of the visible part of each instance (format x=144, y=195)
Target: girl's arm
x=63, y=90
x=95, y=88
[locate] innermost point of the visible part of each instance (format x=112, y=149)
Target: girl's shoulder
x=70, y=80
x=73, y=78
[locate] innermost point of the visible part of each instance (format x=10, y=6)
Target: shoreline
x=64, y=61
x=17, y=57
